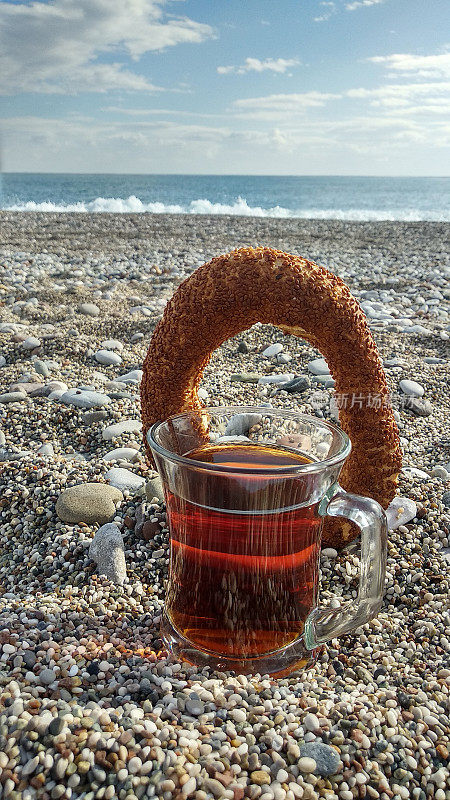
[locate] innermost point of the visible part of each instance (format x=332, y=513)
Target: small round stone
x=88, y=502
x=134, y=765
x=440, y=472
x=296, y=385
x=119, y=428
x=272, y=350
x=107, y=357
x=260, y=777
x=124, y=479
x=311, y=723
x=47, y=676
x=84, y=399
x=412, y=388
x=306, y=764
x=89, y=309
x=107, y=550
x=318, y=367
x=56, y=726
x=419, y=406
x=30, y=343
x=326, y=757
x=194, y=706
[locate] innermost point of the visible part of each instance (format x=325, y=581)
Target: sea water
x=304, y=197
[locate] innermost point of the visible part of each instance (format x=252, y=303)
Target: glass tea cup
x=247, y=490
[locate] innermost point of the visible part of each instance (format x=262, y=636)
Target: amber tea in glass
x=245, y=514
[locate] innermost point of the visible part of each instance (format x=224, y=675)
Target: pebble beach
x=91, y=705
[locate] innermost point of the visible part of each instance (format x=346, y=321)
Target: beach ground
x=91, y=706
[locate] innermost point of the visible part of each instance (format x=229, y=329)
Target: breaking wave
x=239, y=208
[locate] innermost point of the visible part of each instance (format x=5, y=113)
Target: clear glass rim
x=308, y=468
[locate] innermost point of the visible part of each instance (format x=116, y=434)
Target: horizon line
x=223, y=174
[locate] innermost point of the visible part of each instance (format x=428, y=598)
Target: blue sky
x=226, y=86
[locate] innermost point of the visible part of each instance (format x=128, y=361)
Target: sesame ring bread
x=234, y=291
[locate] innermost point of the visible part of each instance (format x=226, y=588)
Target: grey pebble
x=13, y=397
x=154, y=488
x=245, y=377
x=84, y=399
x=56, y=726
x=318, y=366
x=194, y=706
x=326, y=758
x=48, y=389
x=118, y=428
x=107, y=550
x=30, y=343
x=124, y=479
x=133, y=377
x=89, y=309
x=420, y=407
x=29, y=658
x=88, y=502
x=47, y=676
x=240, y=424
x=440, y=472
x=46, y=449
x=41, y=368
x=300, y=384
x=30, y=766
x=94, y=416
x=107, y=357
x=121, y=454
x=412, y=388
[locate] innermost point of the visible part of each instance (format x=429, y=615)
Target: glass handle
x=323, y=623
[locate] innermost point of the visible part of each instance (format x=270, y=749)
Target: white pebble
x=306, y=764
x=311, y=723
x=30, y=343
x=412, y=388
x=272, y=350
x=400, y=511
x=189, y=787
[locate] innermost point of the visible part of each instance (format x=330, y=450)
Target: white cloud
x=329, y=8
x=398, y=94
x=157, y=112
x=54, y=47
x=285, y=103
x=435, y=66
x=279, y=65
x=360, y=142
x=363, y=4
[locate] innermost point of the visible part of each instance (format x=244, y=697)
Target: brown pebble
x=443, y=751
x=149, y=530
x=224, y=777
x=129, y=522
x=260, y=777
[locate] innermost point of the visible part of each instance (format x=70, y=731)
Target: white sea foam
x=239, y=208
